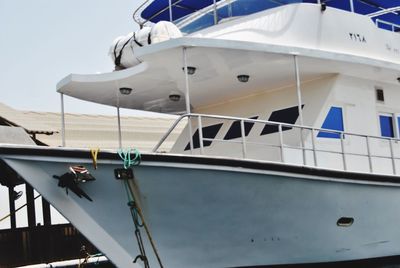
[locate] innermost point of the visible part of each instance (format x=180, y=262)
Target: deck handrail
x=312, y=130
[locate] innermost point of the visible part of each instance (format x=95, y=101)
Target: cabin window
x=235, y=131
x=386, y=124
x=379, y=95
x=209, y=132
x=333, y=121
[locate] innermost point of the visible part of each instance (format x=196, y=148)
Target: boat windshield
x=226, y=10
x=385, y=13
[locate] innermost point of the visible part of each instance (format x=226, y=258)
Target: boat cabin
x=312, y=83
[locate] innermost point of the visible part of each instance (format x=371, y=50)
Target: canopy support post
x=170, y=10
x=352, y=5
x=119, y=128
x=62, y=121
x=187, y=99
x=299, y=105
x=298, y=89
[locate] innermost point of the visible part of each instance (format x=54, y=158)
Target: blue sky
x=42, y=41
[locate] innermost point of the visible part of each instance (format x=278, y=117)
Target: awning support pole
x=119, y=129
x=187, y=99
x=299, y=105
x=62, y=121
x=170, y=10
x=298, y=89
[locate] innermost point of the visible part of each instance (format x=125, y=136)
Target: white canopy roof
x=217, y=62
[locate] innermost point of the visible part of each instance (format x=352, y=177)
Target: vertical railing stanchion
x=313, y=148
x=392, y=156
x=343, y=151
x=303, y=146
x=215, y=12
x=281, y=144
x=352, y=5
x=242, y=130
x=119, y=129
x=369, y=154
x=200, y=129
x=62, y=121
x=170, y=10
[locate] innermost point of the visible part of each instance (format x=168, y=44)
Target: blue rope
x=126, y=156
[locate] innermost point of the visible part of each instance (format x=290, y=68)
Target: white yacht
x=291, y=150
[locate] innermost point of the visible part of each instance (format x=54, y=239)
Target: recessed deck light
x=243, y=78
x=125, y=90
x=190, y=70
x=174, y=96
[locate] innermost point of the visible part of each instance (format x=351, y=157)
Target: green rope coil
x=130, y=157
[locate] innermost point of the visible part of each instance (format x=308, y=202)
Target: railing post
x=313, y=148
x=215, y=13
x=170, y=10
x=62, y=121
x=166, y=135
x=244, y=147
x=369, y=154
x=303, y=146
x=343, y=151
x=392, y=156
x=351, y=6
x=281, y=143
x=200, y=129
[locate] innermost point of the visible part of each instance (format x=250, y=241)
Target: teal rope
x=126, y=156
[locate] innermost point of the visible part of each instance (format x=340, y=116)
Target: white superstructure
x=290, y=154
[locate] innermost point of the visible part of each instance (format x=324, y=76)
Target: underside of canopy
x=217, y=63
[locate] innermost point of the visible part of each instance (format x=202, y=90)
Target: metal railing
x=342, y=144
x=392, y=26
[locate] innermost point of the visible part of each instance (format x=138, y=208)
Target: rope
x=126, y=156
x=18, y=209
x=136, y=211
x=94, y=153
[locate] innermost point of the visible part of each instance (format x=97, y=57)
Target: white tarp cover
x=122, y=48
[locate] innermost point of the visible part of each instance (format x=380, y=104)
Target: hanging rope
x=132, y=157
x=94, y=153
x=18, y=209
x=126, y=156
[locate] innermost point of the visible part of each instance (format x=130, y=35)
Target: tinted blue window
x=333, y=121
x=386, y=123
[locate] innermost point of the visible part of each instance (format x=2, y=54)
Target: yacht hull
x=213, y=212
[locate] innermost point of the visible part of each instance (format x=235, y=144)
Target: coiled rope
x=126, y=156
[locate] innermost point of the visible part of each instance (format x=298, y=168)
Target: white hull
x=227, y=213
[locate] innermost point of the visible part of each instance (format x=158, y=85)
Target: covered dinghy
x=122, y=49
